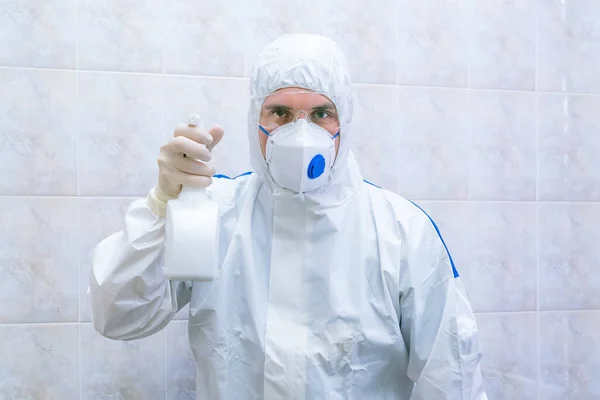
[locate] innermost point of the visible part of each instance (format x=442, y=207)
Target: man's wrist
x=157, y=201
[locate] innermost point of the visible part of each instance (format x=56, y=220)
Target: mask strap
x=265, y=131
x=336, y=135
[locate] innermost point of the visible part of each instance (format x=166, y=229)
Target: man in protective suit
x=328, y=287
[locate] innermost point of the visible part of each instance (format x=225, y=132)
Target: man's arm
x=130, y=297
x=437, y=322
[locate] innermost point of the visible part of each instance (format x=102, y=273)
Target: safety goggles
x=290, y=104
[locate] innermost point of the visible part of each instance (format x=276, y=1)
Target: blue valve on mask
x=316, y=167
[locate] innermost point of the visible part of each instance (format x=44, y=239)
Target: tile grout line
x=118, y=72
x=80, y=341
x=39, y=324
x=162, y=124
x=162, y=37
x=246, y=29
x=537, y=314
x=535, y=47
x=537, y=198
x=424, y=200
x=219, y=77
x=469, y=134
x=74, y=196
x=469, y=94
x=420, y=200
x=505, y=312
x=165, y=362
x=397, y=50
x=589, y=310
x=79, y=294
x=397, y=98
x=469, y=45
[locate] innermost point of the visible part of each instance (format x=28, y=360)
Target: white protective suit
x=347, y=292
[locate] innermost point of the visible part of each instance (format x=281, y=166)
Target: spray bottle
x=192, y=233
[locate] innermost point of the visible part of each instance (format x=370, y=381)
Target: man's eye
x=280, y=113
x=320, y=114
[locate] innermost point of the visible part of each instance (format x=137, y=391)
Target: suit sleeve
x=130, y=297
x=437, y=322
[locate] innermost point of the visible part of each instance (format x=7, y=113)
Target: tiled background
x=485, y=112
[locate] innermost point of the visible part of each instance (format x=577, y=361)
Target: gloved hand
x=178, y=161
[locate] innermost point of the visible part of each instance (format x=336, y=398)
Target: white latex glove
x=181, y=160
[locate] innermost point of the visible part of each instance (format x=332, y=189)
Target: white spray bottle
x=192, y=234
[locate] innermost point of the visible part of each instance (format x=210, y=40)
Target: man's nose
x=302, y=115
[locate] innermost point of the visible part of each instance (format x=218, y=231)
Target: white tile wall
x=567, y=46
x=375, y=149
x=433, y=43
x=502, y=44
x=37, y=259
x=510, y=374
x=498, y=260
x=38, y=33
x=40, y=361
x=204, y=37
x=117, y=35
x=569, y=144
x=38, y=124
x=181, y=366
x=122, y=369
x=434, y=141
x=503, y=153
x=487, y=113
x=494, y=247
x=569, y=351
x=569, y=259
x=120, y=120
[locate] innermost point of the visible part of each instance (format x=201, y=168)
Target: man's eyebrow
x=277, y=106
x=324, y=106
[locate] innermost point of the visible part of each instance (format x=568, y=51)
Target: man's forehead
x=297, y=97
